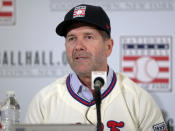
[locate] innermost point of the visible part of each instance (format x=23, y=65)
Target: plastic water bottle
x=0, y=118
x=10, y=111
x=0, y=122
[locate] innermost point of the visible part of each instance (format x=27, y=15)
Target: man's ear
x=109, y=45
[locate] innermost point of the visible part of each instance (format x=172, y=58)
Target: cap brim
x=61, y=29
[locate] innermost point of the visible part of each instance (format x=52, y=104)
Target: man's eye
x=89, y=37
x=71, y=38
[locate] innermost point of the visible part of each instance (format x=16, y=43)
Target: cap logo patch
x=79, y=11
x=107, y=26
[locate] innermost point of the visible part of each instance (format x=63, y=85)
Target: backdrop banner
x=32, y=55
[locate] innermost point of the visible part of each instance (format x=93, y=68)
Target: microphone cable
x=88, y=118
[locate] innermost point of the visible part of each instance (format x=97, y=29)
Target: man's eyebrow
x=70, y=35
x=89, y=33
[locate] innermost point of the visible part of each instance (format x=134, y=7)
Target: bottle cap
x=0, y=126
x=10, y=93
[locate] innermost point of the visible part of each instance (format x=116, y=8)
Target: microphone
x=98, y=83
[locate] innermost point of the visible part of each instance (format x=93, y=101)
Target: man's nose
x=80, y=45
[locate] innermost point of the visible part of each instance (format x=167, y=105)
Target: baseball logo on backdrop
x=146, y=69
x=7, y=12
x=147, y=61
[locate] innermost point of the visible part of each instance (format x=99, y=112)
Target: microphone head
x=99, y=81
x=98, y=78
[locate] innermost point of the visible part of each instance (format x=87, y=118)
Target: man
x=69, y=100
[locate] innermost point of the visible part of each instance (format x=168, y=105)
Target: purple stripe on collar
x=83, y=101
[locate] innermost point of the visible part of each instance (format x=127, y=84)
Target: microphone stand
x=97, y=98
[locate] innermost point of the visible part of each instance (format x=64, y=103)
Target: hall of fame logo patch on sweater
x=160, y=127
x=147, y=61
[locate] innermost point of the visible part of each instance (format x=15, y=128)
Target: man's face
x=86, y=50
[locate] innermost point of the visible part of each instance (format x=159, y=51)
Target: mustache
x=77, y=54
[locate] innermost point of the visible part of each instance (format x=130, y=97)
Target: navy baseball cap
x=89, y=14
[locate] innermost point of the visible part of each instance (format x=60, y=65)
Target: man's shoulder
x=53, y=89
x=129, y=86
x=132, y=92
